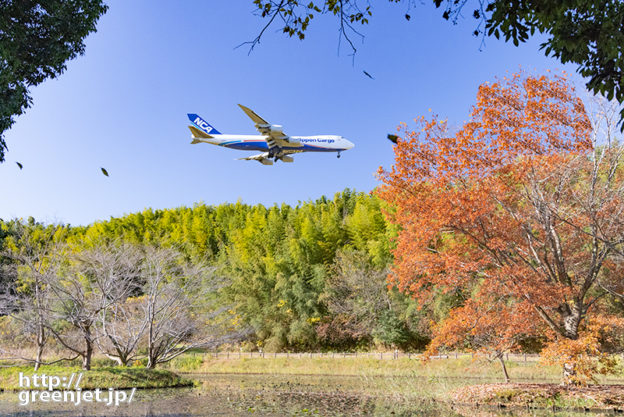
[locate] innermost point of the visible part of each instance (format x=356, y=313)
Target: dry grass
x=543, y=396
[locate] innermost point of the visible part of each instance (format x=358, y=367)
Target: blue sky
x=123, y=106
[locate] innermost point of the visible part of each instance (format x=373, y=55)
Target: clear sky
x=123, y=105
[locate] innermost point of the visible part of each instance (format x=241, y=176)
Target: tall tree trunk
x=40, y=345
x=86, y=358
x=151, y=361
x=571, y=325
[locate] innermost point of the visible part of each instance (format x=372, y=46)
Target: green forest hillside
x=309, y=277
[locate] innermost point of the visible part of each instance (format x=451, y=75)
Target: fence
x=515, y=357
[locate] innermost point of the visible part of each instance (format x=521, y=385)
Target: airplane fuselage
x=321, y=143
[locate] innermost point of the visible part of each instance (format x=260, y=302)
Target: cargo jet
x=275, y=144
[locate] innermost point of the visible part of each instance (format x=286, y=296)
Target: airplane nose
x=349, y=144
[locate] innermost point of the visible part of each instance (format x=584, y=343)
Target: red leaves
x=478, y=210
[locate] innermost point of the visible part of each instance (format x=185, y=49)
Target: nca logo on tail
x=201, y=123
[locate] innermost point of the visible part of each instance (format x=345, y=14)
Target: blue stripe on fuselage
x=262, y=146
x=247, y=146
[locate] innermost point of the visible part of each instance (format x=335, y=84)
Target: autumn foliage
x=518, y=211
x=584, y=354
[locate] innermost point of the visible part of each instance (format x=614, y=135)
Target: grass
x=403, y=378
x=543, y=396
x=104, y=377
x=406, y=380
x=444, y=368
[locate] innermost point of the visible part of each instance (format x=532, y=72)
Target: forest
x=310, y=277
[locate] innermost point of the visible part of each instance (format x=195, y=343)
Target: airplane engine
x=265, y=161
x=287, y=158
x=277, y=129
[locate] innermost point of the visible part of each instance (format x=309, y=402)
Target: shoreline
x=598, y=397
x=455, y=383
x=98, y=377
x=484, y=397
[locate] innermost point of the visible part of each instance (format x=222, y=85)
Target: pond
x=285, y=395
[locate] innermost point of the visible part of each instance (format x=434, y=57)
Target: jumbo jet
x=275, y=144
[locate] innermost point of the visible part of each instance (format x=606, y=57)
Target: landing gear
x=338, y=156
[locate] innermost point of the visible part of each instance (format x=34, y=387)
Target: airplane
x=272, y=140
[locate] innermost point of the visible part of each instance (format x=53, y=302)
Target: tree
x=178, y=305
x=121, y=330
x=588, y=33
x=355, y=295
x=116, y=271
x=24, y=295
x=90, y=283
x=487, y=324
x=521, y=202
x=361, y=308
x=37, y=38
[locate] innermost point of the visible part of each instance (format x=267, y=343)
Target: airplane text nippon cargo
x=318, y=140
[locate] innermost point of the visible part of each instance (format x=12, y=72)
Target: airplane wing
x=276, y=136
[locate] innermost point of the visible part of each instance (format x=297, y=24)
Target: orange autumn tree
x=519, y=210
x=486, y=325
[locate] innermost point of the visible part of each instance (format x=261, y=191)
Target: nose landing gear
x=338, y=156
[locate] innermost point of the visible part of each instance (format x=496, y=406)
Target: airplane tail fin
x=202, y=125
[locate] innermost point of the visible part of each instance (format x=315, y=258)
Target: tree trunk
x=150, y=338
x=86, y=362
x=151, y=363
x=41, y=340
x=571, y=325
x=40, y=346
x=39, y=357
x=504, y=367
x=86, y=358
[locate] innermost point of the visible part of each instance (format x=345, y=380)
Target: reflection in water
x=261, y=395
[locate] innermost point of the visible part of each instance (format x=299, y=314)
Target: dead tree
x=122, y=327
x=179, y=306
x=25, y=297
x=92, y=282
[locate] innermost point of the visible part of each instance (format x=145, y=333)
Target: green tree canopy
x=37, y=38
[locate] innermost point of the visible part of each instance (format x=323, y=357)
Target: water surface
x=285, y=395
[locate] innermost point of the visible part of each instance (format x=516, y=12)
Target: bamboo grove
x=310, y=277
